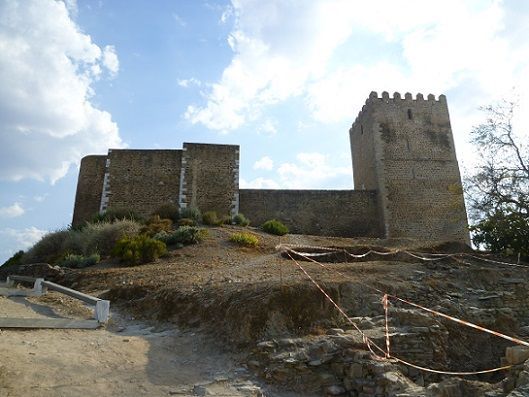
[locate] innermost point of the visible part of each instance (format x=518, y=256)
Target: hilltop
x=258, y=302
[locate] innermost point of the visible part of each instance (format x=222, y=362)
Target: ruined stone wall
x=143, y=180
x=347, y=213
x=416, y=169
x=89, y=188
x=210, y=178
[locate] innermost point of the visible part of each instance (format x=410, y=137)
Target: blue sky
x=284, y=79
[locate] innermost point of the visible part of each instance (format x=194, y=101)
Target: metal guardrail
x=40, y=286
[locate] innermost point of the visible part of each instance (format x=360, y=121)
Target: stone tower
x=403, y=148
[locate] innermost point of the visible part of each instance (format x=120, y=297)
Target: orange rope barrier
x=386, y=306
x=467, y=323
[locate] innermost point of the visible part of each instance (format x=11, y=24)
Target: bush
x=116, y=214
x=79, y=261
x=186, y=222
x=226, y=220
x=191, y=213
x=210, y=218
x=14, y=260
x=94, y=238
x=168, y=211
x=274, y=226
x=184, y=235
x=138, y=249
x=156, y=225
x=102, y=237
x=48, y=249
x=244, y=239
x=241, y=220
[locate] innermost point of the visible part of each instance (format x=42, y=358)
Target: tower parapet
x=403, y=147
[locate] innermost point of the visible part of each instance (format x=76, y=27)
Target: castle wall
x=347, y=213
x=417, y=173
x=89, y=189
x=361, y=137
x=143, y=180
x=210, y=178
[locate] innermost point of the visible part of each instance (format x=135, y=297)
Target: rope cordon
x=385, y=302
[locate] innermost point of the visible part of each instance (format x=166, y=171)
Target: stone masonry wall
x=210, y=178
x=363, y=156
x=416, y=168
x=345, y=213
x=89, y=188
x=143, y=180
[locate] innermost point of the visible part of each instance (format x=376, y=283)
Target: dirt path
x=129, y=358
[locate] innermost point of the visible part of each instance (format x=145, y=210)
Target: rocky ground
x=266, y=312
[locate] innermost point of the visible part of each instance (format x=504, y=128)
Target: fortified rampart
x=323, y=212
x=406, y=178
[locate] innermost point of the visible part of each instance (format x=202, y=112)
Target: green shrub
x=156, y=225
x=226, y=220
x=184, y=235
x=74, y=242
x=274, y=226
x=168, y=211
x=240, y=219
x=79, y=261
x=116, y=214
x=244, y=239
x=48, y=249
x=210, y=218
x=94, y=238
x=186, y=222
x=138, y=249
x=14, y=260
x=102, y=237
x=191, y=213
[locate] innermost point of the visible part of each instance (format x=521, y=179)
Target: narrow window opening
x=410, y=115
x=361, y=129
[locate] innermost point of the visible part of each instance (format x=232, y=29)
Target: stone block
x=516, y=354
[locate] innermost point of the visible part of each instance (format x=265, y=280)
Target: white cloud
x=259, y=183
x=188, y=82
x=309, y=171
x=41, y=197
x=226, y=14
x=264, y=163
x=312, y=170
x=317, y=50
x=179, y=20
x=110, y=60
x=47, y=122
x=268, y=127
x=23, y=238
x=12, y=211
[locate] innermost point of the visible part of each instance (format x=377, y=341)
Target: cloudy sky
x=282, y=78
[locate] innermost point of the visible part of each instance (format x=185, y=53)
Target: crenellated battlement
x=398, y=99
x=407, y=97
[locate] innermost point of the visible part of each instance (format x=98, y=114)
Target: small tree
x=498, y=192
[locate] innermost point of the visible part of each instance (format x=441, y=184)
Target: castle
x=406, y=179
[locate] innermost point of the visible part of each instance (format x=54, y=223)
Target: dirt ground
x=128, y=358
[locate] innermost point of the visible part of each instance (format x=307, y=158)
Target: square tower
x=404, y=149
